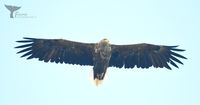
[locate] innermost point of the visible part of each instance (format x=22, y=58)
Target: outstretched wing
x=57, y=50
x=145, y=56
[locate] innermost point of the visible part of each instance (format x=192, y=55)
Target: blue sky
x=30, y=82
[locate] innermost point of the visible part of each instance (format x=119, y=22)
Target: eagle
x=100, y=55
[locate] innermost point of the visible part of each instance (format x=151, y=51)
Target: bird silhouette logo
x=12, y=9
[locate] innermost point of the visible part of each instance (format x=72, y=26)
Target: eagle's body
x=101, y=55
x=101, y=59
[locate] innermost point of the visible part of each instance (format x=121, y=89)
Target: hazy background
x=30, y=82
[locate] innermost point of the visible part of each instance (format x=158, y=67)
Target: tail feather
x=98, y=78
x=98, y=82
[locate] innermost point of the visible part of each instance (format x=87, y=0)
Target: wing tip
x=28, y=38
x=175, y=49
x=173, y=46
x=25, y=40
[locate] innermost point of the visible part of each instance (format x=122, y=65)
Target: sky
x=161, y=22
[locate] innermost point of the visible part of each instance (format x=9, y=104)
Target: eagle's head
x=104, y=42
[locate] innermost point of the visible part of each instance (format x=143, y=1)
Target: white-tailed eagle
x=101, y=55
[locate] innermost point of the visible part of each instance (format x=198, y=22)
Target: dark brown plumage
x=145, y=55
x=101, y=55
